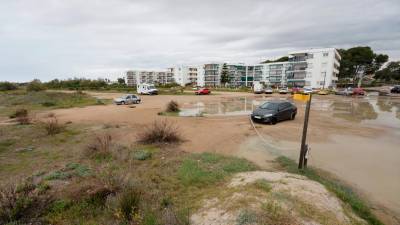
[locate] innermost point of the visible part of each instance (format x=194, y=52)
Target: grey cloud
x=48, y=38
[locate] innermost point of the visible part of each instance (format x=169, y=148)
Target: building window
x=325, y=54
x=324, y=64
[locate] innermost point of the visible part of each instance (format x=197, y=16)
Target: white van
x=258, y=87
x=147, y=89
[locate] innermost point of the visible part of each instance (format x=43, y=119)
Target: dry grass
x=101, y=145
x=172, y=106
x=53, y=127
x=160, y=132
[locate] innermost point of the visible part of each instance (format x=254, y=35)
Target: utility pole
x=304, y=146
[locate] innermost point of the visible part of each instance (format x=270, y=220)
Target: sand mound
x=262, y=197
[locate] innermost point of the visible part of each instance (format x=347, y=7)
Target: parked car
x=395, y=89
x=202, y=91
x=323, y=92
x=358, y=91
x=307, y=90
x=283, y=90
x=346, y=91
x=268, y=90
x=296, y=90
x=127, y=99
x=274, y=111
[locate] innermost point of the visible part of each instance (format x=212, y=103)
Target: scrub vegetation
x=12, y=101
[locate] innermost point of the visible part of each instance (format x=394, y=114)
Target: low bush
x=21, y=116
x=128, y=205
x=7, y=86
x=16, y=201
x=70, y=170
x=160, y=132
x=48, y=104
x=142, y=155
x=53, y=127
x=35, y=85
x=101, y=146
x=172, y=106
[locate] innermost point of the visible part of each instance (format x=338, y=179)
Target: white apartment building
x=315, y=68
x=274, y=74
x=185, y=74
x=135, y=77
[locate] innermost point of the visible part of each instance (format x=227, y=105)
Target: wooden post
x=304, y=137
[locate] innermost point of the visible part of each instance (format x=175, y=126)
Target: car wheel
x=122, y=103
x=292, y=116
x=273, y=121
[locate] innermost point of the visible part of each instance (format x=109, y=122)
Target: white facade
x=187, y=74
x=135, y=77
x=315, y=68
x=274, y=74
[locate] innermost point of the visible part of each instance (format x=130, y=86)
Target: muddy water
x=372, y=164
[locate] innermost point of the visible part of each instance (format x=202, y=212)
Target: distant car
x=395, y=89
x=283, y=90
x=296, y=90
x=268, y=90
x=346, y=91
x=274, y=111
x=127, y=99
x=307, y=90
x=358, y=91
x=202, y=91
x=323, y=92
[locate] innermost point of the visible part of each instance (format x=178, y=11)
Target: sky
x=48, y=39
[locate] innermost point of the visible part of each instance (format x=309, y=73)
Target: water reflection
x=370, y=109
x=226, y=106
x=356, y=111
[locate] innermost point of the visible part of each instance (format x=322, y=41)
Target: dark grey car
x=274, y=111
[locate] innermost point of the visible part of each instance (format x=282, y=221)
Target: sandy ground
x=231, y=135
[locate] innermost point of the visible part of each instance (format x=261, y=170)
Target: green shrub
x=246, y=217
x=48, y=104
x=128, y=204
x=142, y=155
x=7, y=86
x=16, y=201
x=35, y=85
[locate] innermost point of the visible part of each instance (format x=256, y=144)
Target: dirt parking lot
x=349, y=136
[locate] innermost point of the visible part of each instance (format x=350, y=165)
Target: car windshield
x=151, y=87
x=270, y=105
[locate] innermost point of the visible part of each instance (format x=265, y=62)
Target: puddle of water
x=371, y=164
x=236, y=106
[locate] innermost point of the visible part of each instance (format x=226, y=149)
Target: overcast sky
x=49, y=39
